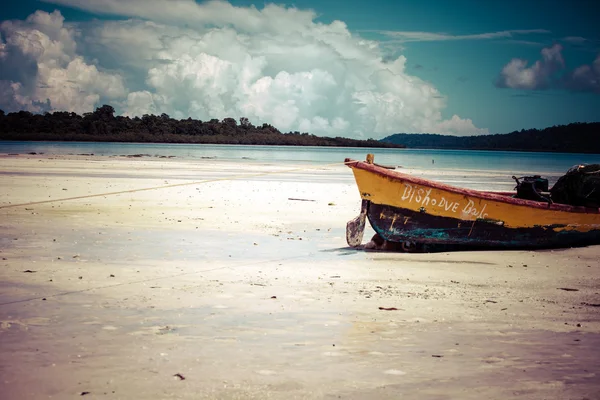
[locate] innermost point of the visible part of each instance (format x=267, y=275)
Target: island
x=571, y=138
x=103, y=126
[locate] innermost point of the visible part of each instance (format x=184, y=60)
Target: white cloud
x=574, y=39
x=419, y=36
x=517, y=75
x=585, y=78
x=41, y=70
x=550, y=73
x=272, y=18
x=459, y=127
x=213, y=60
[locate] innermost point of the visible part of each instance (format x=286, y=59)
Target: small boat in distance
x=412, y=211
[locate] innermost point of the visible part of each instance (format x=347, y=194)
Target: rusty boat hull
x=406, y=209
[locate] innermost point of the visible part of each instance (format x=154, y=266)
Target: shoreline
x=247, y=289
x=443, y=149
x=495, y=180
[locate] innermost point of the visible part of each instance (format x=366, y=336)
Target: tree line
x=572, y=138
x=102, y=126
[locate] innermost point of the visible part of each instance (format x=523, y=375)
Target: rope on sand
x=155, y=188
x=235, y=177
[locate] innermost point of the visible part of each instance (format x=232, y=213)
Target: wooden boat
x=411, y=211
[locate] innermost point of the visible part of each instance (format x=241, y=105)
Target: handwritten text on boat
x=422, y=197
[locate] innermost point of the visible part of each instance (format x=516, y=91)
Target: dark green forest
x=102, y=126
x=572, y=138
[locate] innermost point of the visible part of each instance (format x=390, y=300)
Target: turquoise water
x=510, y=162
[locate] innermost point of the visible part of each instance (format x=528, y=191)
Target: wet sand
x=247, y=289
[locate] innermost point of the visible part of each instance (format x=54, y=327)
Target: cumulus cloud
x=550, y=73
x=272, y=18
x=517, y=75
x=213, y=60
x=41, y=70
x=585, y=78
x=461, y=127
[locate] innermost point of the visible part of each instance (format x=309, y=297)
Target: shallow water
x=508, y=161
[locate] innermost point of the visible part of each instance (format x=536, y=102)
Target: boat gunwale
x=399, y=176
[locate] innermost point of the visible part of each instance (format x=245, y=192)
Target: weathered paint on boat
x=402, y=207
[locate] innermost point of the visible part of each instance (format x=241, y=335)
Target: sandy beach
x=240, y=285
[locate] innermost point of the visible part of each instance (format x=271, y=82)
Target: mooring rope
x=43, y=297
x=230, y=178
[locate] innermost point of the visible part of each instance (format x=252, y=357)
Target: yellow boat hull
x=402, y=208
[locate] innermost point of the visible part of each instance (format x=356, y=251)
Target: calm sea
x=501, y=161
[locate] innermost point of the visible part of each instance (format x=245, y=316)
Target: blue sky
x=461, y=67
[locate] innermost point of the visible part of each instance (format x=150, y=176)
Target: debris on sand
x=164, y=330
x=590, y=304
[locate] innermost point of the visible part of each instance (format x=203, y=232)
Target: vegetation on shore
x=572, y=138
x=102, y=126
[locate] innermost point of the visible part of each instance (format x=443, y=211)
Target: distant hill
x=572, y=138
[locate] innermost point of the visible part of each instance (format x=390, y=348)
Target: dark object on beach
x=580, y=186
x=181, y=377
x=424, y=215
x=590, y=304
x=566, y=289
x=273, y=297
x=84, y=393
x=29, y=271
x=388, y=308
x=291, y=198
x=532, y=188
x=437, y=356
